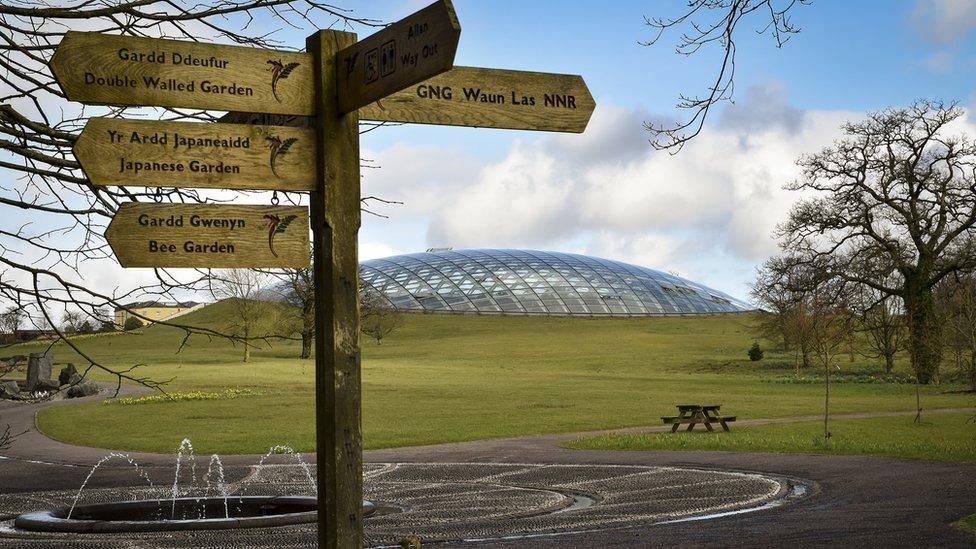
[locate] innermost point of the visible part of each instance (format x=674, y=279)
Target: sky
x=707, y=213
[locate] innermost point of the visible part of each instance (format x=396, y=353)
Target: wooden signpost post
x=302, y=135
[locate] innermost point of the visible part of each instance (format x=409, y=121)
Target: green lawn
x=453, y=378
x=967, y=524
x=946, y=437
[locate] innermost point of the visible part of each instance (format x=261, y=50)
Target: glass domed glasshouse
x=527, y=282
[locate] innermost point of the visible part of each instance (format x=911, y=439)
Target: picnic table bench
x=693, y=414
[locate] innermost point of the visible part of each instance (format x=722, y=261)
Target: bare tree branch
x=720, y=29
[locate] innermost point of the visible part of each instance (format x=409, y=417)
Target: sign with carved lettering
x=114, y=151
x=145, y=234
x=473, y=96
x=107, y=69
x=491, y=98
x=411, y=50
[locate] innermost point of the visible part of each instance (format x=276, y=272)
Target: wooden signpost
x=411, y=50
x=115, y=151
x=103, y=69
x=491, y=98
x=402, y=73
x=144, y=234
x=474, y=97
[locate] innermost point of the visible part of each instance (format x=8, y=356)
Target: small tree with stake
x=831, y=324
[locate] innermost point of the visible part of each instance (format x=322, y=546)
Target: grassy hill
x=450, y=378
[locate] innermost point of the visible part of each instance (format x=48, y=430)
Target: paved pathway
x=856, y=501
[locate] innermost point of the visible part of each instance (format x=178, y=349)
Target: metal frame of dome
x=529, y=282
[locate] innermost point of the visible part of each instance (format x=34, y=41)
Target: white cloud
x=940, y=61
x=607, y=193
x=371, y=249
x=944, y=21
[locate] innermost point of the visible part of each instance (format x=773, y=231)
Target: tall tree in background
x=784, y=309
x=297, y=289
x=251, y=317
x=956, y=300
x=881, y=317
x=11, y=320
x=72, y=321
x=897, y=194
x=707, y=23
x=378, y=317
x=52, y=217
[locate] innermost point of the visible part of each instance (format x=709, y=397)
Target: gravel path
x=853, y=501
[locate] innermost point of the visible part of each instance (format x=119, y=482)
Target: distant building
x=152, y=310
x=531, y=282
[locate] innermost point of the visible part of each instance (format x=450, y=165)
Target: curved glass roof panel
x=530, y=282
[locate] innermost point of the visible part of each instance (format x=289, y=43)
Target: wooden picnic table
x=693, y=414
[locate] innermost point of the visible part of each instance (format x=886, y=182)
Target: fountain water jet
x=211, y=512
x=221, y=483
x=184, y=445
x=278, y=450
x=113, y=455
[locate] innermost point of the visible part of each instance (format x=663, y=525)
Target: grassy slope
x=450, y=378
x=948, y=437
x=967, y=524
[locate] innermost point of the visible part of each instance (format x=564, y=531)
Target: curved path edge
x=33, y=445
x=862, y=501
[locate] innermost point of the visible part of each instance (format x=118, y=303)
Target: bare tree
x=881, y=317
x=104, y=322
x=71, y=322
x=709, y=23
x=956, y=300
x=378, y=317
x=831, y=326
x=251, y=318
x=10, y=321
x=41, y=264
x=897, y=194
x=784, y=309
x=297, y=288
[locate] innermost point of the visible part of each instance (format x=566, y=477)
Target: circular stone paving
x=444, y=502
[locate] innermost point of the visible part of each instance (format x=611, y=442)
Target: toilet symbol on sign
x=388, y=58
